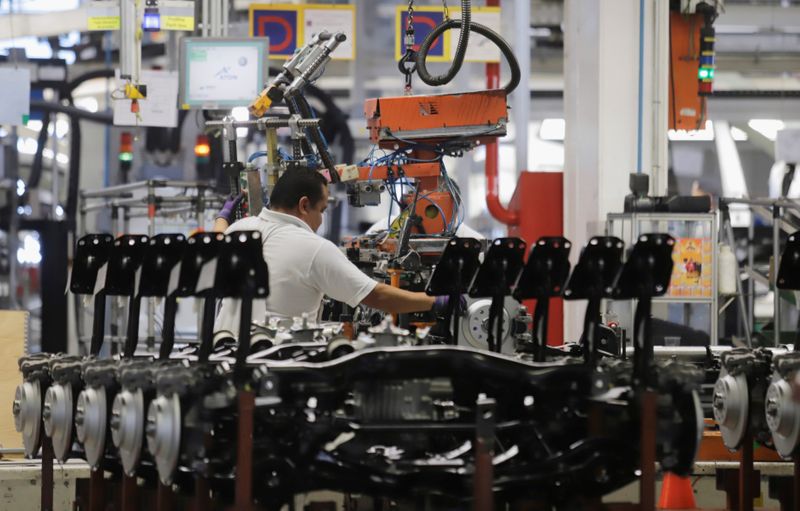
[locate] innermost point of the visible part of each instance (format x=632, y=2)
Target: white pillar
x=601, y=108
x=521, y=98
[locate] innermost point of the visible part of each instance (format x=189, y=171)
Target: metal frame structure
x=775, y=210
x=122, y=203
x=630, y=230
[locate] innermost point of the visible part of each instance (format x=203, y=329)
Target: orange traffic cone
x=676, y=493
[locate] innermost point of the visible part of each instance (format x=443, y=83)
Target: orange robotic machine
x=420, y=130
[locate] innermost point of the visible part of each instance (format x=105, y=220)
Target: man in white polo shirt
x=304, y=267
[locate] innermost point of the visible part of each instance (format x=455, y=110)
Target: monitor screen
x=222, y=73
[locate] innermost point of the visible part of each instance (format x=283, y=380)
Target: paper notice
x=159, y=109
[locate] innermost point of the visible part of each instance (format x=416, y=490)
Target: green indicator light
x=125, y=156
x=705, y=73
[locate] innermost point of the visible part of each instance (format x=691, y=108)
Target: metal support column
x=521, y=97
x=151, y=231
x=724, y=207
x=751, y=284
x=776, y=251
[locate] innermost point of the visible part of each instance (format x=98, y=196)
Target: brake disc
x=731, y=408
x=27, y=408
x=127, y=427
x=57, y=419
x=783, y=416
x=163, y=431
x=90, y=423
x=474, y=328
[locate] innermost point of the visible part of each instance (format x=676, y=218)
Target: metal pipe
x=521, y=96
x=497, y=210
x=776, y=250
x=262, y=124
x=783, y=203
x=204, y=18
x=751, y=285
x=739, y=290
x=151, y=231
x=112, y=191
x=225, y=9
x=695, y=353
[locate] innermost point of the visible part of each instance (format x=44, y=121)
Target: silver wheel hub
x=127, y=428
x=90, y=423
x=27, y=409
x=475, y=327
x=731, y=408
x=783, y=416
x=57, y=419
x=163, y=431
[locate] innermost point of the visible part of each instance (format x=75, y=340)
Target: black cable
x=316, y=137
x=465, y=24
x=70, y=86
x=72, y=111
x=73, y=183
x=483, y=30
x=38, y=158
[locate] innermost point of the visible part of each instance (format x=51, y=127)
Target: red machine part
x=469, y=116
x=404, y=121
x=538, y=203
x=506, y=215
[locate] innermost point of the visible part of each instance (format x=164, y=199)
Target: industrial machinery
x=383, y=411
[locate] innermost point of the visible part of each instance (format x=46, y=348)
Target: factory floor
x=20, y=482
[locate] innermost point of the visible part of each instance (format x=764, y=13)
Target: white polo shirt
x=303, y=267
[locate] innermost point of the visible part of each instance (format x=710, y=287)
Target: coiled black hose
x=483, y=30
x=465, y=24
x=316, y=137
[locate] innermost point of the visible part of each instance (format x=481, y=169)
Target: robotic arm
x=303, y=68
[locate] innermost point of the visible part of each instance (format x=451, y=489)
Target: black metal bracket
x=543, y=278
x=495, y=279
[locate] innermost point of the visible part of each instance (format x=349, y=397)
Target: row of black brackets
x=170, y=266
x=600, y=274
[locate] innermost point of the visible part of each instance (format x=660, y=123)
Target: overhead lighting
x=705, y=134
x=20, y=187
x=27, y=145
x=767, y=127
x=553, y=129
x=31, y=250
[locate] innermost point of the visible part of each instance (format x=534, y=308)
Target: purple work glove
x=231, y=203
x=441, y=303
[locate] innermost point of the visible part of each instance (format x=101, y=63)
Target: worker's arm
x=220, y=225
x=225, y=215
x=398, y=301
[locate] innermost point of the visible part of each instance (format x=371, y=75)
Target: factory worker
x=304, y=267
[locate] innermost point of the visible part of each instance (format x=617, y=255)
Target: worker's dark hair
x=295, y=184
